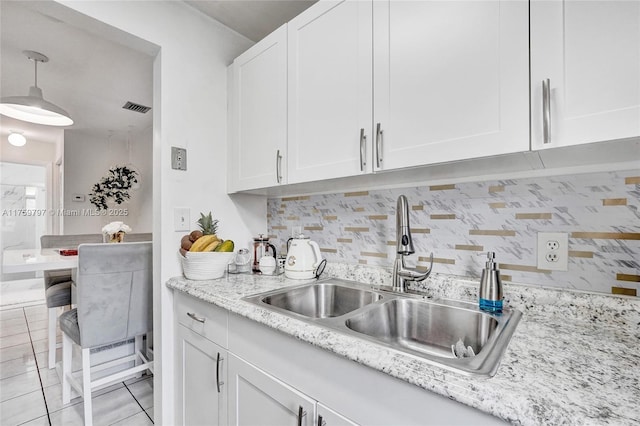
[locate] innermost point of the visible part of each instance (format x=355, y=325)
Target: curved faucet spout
x=402, y=274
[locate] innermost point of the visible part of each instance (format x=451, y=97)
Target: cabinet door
x=328, y=417
x=590, y=53
x=451, y=80
x=330, y=82
x=201, y=395
x=259, y=114
x=260, y=399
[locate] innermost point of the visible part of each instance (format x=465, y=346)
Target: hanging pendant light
x=34, y=108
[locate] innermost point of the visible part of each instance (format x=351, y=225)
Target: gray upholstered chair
x=57, y=283
x=114, y=304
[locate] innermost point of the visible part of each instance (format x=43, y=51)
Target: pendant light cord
x=35, y=64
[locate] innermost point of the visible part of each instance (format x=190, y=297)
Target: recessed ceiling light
x=17, y=139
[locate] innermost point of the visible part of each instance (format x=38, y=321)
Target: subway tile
x=628, y=277
x=500, y=205
x=493, y=232
x=442, y=216
x=442, y=187
x=469, y=247
x=570, y=203
x=356, y=229
x=624, y=291
x=607, y=235
x=614, y=202
x=527, y=216
x=373, y=254
x=580, y=253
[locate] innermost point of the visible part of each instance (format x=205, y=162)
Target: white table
x=33, y=260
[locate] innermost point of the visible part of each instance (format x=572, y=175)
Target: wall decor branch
x=115, y=185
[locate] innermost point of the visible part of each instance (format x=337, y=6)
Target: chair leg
x=137, y=347
x=67, y=351
x=86, y=387
x=53, y=319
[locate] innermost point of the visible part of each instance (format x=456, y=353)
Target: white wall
x=34, y=152
x=87, y=158
x=190, y=111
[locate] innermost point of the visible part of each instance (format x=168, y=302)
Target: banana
x=225, y=246
x=212, y=246
x=202, y=242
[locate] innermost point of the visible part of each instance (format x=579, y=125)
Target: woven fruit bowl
x=205, y=265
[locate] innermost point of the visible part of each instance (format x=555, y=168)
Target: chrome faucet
x=401, y=273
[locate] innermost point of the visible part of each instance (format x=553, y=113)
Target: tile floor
x=30, y=393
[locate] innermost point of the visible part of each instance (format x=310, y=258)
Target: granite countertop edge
x=559, y=380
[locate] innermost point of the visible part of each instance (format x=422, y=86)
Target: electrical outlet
x=553, y=251
x=178, y=158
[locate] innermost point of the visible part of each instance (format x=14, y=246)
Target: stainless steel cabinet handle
x=301, y=414
x=218, y=382
x=321, y=421
x=195, y=317
x=363, y=152
x=278, y=167
x=379, y=136
x=546, y=111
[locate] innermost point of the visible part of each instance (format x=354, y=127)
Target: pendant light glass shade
x=33, y=107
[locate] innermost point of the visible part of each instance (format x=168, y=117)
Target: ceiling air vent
x=136, y=107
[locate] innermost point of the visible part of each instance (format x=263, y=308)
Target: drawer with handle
x=204, y=318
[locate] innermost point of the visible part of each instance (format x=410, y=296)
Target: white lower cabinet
x=260, y=399
x=245, y=373
x=201, y=372
x=327, y=417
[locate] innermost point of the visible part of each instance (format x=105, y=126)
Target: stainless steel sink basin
x=403, y=322
x=321, y=300
x=425, y=327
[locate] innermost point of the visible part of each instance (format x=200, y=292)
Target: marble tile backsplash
x=600, y=212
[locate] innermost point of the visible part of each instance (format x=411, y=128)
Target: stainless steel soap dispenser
x=490, y=294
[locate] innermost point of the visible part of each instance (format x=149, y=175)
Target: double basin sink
x=411, y=324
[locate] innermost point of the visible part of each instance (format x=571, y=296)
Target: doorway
x=23, y=218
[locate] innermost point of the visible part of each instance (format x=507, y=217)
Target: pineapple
x=207, y=224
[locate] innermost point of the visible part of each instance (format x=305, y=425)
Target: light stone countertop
x=574, y=358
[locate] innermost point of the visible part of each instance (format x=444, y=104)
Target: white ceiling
x=253, y=19
x=87, y=75
x=92, y=77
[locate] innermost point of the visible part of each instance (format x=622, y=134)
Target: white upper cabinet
x=589, y=52
x=451, y=81
x=330, y=91
x=258, y=107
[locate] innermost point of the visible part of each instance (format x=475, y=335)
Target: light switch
x=181, y=220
